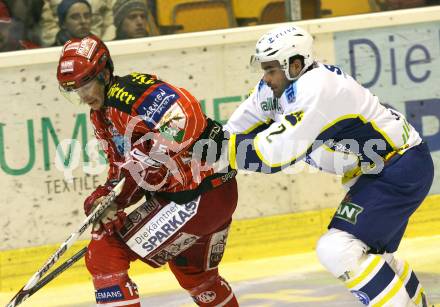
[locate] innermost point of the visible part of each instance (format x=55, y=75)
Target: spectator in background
x=388, y=5
x=102, y=20
x=133, y=20
x=74, y=19
x=402, y=4
x=8, y=39
x=152, y=6
x=101, y=24
x=26, y=15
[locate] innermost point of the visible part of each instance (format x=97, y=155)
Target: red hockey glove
x=111, y=220
x=92, y=201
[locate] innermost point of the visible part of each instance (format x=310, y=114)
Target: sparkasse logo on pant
x=162, y=226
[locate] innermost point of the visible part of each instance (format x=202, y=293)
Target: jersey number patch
x=281, y=129
x=334, y=69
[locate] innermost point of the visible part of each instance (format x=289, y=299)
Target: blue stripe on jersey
x=412, y=284
x=260, y=84
x=156, y=104
x=355, y=129
x=379, y=282
x=291, y=92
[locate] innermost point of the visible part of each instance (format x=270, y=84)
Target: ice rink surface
x=296, y=280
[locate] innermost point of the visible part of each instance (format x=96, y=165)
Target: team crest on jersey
x=172, y=124
x=157, y=104
x=349, y=212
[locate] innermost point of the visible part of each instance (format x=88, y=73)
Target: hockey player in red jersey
x=147, y=128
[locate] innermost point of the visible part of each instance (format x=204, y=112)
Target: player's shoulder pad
x=315, y=81
x=126, y=90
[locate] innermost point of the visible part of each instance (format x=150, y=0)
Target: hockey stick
x=23, y=294
x=64, y=266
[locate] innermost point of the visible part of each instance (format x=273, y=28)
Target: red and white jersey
x=140, y=105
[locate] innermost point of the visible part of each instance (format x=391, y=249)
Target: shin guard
x=214, y=292
x=412, y=284
x=376, y=284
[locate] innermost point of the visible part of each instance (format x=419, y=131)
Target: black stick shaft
x=22, y=295
x=69, y=262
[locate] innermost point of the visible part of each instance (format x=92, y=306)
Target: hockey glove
x=92, y=201
x=111, y=221
x=131, y=193
x=214, y=135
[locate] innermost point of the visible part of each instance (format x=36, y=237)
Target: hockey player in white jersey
x=305, y=110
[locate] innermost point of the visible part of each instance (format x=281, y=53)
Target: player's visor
x=256, y=67
x=78, y=95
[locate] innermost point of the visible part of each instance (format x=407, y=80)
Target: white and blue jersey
x=331, y=122
x=325, y=118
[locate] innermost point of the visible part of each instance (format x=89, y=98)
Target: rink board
x=397, y=52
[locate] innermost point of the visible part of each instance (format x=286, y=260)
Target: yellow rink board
x=422, y=252
x=253, y=239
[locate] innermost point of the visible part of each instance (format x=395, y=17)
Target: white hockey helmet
x=282, y=43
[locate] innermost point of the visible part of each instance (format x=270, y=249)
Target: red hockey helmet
x=81, y=61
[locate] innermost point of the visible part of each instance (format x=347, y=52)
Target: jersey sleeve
x=248, y=117
x=173, y=114
x=112, y=145
x=107, y=144
x=284, y=142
